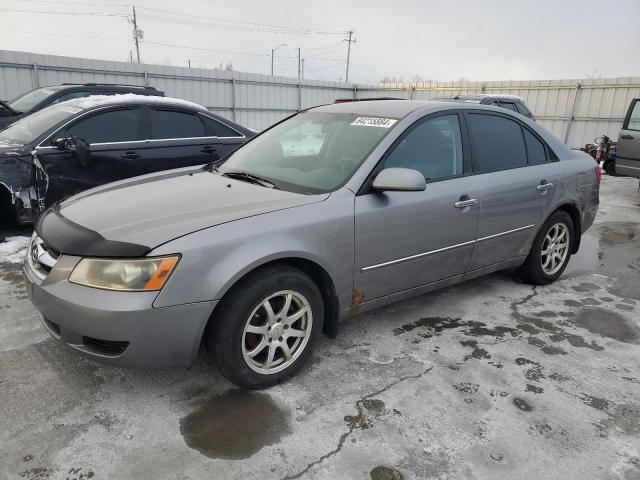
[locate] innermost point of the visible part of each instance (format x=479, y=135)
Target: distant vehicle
x=79, y=144
x=510, y=102
x=40, y=98
x=255, y=256
x=628, y=152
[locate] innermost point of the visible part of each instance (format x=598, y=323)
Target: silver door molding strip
x=444, y=249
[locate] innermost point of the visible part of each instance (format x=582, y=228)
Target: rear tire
x=7, y=209
x=254, y=341
x=551, y=250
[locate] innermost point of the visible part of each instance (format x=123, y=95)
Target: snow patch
x=99, y=100
x=13, y=249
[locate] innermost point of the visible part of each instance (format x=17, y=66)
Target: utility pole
x=136, y=33
x=299, y=64
x=350, y=41
x=302, y=67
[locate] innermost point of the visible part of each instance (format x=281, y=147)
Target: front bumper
x=117, y=328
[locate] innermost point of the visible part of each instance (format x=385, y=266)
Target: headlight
x=143, y=274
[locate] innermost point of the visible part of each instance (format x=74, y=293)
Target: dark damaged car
x=80, y=144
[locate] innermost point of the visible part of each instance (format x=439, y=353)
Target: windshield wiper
x=251, y=178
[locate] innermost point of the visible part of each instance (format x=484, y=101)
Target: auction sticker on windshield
x=374, y=122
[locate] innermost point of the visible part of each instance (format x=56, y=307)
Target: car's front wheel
x=551, y=250
x=266, y=326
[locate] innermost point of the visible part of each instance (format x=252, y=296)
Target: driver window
x=434, y=148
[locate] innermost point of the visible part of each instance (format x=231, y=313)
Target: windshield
x=29, y=128
x=30, y=99
x=312, y=152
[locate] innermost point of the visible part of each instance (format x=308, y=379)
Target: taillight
x=598, y=171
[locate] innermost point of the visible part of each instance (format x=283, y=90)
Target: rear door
x=182, y=138
x=408, y=239
x=628, y=159
x=113, y=136
x=517, y=178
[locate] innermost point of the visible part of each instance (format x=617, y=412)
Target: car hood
x=153, y=209
x=12, y=149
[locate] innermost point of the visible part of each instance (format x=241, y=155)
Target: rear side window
x=535, y=148
x=634, y=117
x=107, y=127
x=172, y=124
x=434, y=148
x=217, y=129
x=508, y=106
x=496, y=143
x=523, y=110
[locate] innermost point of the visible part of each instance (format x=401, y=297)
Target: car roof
x=95, y=101
x=387, y=108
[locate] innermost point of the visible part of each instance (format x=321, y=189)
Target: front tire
x=550, y=252
x=266, y=327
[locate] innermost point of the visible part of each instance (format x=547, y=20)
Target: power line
x=88, y=4
x=240, y=22
x=92, y=37
x=96, y=14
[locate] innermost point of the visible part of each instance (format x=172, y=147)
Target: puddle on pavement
x=235, y=425
x=522, y=404
x=607, y=324
x=612, y=249
x=385, y=473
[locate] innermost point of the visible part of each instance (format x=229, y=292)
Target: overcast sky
x=477, y=40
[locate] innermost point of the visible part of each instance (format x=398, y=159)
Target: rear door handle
x=209, y=149
x=130, y=156
x=465, y=202
x=627, y=137
x=544, y=186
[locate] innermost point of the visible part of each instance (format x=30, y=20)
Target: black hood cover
x=67, y=237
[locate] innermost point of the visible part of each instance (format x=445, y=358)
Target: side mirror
x=60, y=143
x=399, y=180
x=74, y=145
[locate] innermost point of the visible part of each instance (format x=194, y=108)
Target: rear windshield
x=30, y=128
x=312, y=152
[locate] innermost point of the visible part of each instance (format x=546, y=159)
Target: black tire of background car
x=223, y=339
x=7, y=209
x=609, y=166
x=531, y=270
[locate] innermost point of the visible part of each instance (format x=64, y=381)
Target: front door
x=408, y=239
x=113, y=138
x=628, y=160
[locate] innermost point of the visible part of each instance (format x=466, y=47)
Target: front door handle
x=209, y=149
x=465, y=202
x=130, y=156
x=627, y=137
x=544, y=186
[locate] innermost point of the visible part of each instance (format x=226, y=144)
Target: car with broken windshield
x=330, y=213
x=80, y=144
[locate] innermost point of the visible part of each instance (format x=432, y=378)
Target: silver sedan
x=332, y=212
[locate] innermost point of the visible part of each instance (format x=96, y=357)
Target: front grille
x=41, y=257
x=105, y=347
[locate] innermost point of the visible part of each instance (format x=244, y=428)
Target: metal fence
x=576, y=111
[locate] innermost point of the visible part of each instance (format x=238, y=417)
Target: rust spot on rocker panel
x=357, y=297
